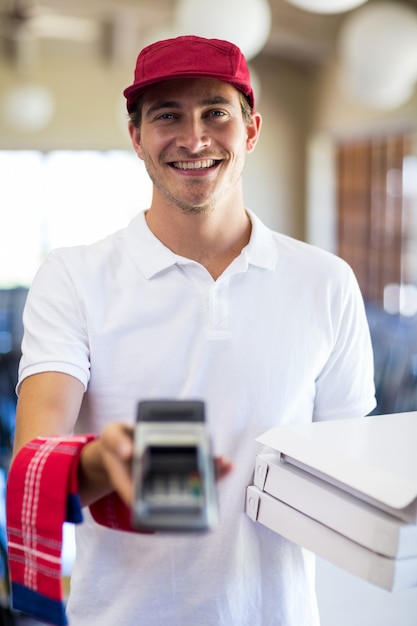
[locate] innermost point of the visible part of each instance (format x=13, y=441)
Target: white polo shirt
x=280, y=337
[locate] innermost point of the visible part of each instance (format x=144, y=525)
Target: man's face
x=193, y=141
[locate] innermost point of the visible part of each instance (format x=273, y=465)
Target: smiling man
x=195, y=299
x=193, y=140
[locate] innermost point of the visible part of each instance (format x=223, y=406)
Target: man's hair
x=135, y=115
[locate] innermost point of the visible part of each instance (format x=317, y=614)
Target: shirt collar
x=152, y=257
x=261, y=249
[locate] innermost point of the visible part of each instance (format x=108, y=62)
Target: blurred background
x=336, y=165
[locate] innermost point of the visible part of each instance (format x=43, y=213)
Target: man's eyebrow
x=217, y=100
x=174, y=104
x=162, y=104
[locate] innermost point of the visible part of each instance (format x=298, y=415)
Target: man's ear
x=135, y=138
x=253, y=131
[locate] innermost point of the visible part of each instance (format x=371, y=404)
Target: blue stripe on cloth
x=38, y=606
x=74, y=513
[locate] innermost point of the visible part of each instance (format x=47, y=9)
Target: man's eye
x=166, y=116
x=217, y=113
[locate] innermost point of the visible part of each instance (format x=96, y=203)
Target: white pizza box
x=385, y=572
x=337, y=509
x=373, y=458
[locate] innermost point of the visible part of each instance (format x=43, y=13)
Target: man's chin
x=197, y=210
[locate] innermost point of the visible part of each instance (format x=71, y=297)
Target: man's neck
x=213, y=239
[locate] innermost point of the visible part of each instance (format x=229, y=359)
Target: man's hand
x=106, y=465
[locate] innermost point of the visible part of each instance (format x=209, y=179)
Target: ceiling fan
x=25, y=21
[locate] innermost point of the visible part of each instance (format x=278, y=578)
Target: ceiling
x=119, y=28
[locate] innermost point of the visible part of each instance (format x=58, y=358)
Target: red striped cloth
x=42, y=493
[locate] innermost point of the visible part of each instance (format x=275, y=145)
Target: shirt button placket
x=219, y=309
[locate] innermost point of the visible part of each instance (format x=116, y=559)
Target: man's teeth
x=194, y=165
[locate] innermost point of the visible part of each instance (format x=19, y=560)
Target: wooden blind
x=371, y=226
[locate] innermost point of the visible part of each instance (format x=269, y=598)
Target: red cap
x=190, y=57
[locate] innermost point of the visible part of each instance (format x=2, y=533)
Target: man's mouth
x=204, y=164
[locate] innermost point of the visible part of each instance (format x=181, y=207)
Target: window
x=377, y=235
x=63, y=198
x=377, y=212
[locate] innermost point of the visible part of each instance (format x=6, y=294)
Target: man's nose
x=193, y=135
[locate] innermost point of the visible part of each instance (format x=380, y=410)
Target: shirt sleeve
x=55, y=328
x=345, y=387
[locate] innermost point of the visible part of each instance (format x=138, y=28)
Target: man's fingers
x=223, y=467
x=117, y=440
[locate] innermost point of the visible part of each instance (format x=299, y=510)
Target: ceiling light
x=378, y=53
x=28, y=107
x=326, y=6
x=246, y=23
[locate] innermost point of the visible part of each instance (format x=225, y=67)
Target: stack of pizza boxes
x=345, y=490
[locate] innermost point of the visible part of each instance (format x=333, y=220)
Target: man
x=196, y=298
